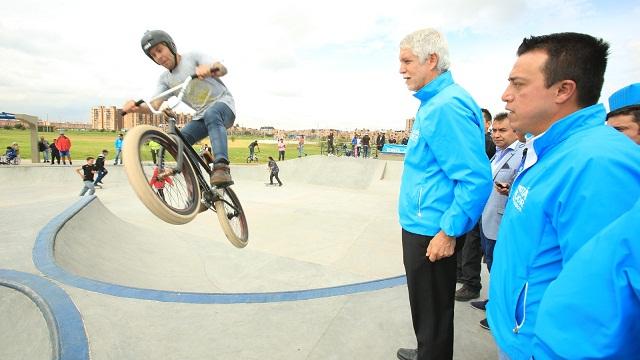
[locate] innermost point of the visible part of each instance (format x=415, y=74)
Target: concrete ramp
x=23, y=328
x=305, y=235
x=321, y=278
x=337, y=172
x=39, y=320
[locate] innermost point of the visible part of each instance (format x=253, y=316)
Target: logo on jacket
x=520, y=196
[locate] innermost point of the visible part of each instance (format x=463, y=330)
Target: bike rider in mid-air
x=208, y=96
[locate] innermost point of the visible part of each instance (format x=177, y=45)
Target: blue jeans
x=118, y=156
x=101, y=175
x=487, y=248
x=217, y=119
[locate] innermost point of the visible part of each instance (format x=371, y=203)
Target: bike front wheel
x=170, y=193
x=232, y=217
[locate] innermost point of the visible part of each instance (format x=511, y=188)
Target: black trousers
x=280, y=155
x=432, y=287
x=274, y=174
x=55, y=156
x=470, y=260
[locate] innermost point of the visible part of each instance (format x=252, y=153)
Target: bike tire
x=232, y=217
x=177, y=203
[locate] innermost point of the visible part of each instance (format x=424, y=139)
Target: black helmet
x=154, y=37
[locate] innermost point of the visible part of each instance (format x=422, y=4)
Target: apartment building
x=105, y=117
x=110, y=118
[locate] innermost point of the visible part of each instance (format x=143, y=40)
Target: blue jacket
x=118, y=143
x=447, y=176
x=592, y=310
x=578, y=177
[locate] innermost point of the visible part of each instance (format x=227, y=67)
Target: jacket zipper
x=517, y=328
x=419, y=205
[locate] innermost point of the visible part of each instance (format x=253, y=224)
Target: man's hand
x=441, y=246
x=130, y=107
x=502, y=188
x=170, y=113
x=214, y=70
x=203, y=71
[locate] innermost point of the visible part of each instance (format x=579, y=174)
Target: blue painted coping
x=44, y=260
x=66, y=330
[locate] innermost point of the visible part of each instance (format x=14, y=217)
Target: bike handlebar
x=138, y=103
x=182, y=86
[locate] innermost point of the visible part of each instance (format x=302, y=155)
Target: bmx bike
x=253, y=157
x=176, y=187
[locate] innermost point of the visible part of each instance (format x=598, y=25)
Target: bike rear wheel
x=177, y=200
x=231, y=216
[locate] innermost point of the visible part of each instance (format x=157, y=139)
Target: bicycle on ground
x=253, y=157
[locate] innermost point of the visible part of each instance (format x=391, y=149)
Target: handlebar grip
x=138, y=103
x=213, y=69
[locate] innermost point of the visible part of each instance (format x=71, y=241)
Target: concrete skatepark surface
x=321, y=277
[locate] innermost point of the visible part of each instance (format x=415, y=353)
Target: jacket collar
x=433, y=87
x=578, y=121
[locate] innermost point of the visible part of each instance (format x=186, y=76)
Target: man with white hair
x=445, y=184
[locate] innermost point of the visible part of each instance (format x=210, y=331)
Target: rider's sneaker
x=221, y=175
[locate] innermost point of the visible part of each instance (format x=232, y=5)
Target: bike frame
x=220, y=199
x=175, y=133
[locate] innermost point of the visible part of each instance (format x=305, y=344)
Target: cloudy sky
x=292, y=64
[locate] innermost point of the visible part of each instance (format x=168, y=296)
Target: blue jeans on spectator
x=217, y=119
x=487, y=246
x=118, y=157
x=101, y=175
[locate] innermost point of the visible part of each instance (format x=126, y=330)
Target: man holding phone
x=504, y=167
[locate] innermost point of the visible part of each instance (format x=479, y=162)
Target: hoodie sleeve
x=457, y=142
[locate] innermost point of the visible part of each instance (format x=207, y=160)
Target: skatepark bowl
x=100, y=277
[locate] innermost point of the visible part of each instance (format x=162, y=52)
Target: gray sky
x=292, y=64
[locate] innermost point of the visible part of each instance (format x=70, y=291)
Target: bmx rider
x=208, y=96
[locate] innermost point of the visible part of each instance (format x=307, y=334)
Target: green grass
x=91, y=143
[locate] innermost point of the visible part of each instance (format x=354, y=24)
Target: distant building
x=267, y=130
x=110, y=118
x=105, y=117
x=9, y=123
x=69, y=126
x=409, y=125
